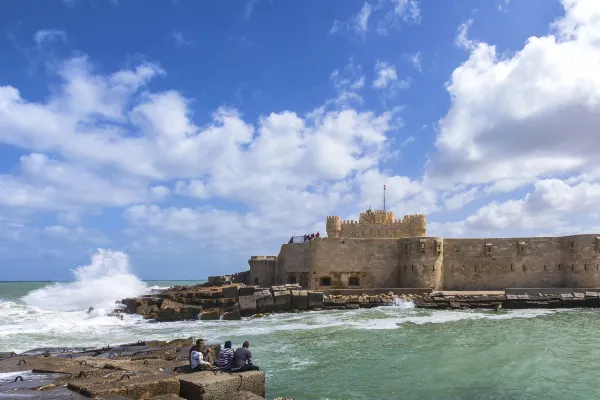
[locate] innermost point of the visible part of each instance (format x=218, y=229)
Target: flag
x=383, y=187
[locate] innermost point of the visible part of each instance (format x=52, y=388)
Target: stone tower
x=334, y=227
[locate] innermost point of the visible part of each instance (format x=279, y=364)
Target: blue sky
x=191, y=135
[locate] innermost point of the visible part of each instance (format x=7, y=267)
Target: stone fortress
x=379, y=251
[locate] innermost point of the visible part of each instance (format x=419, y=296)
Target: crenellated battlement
x=377, y=224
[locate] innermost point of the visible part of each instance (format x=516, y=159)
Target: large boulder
x=206, y=385
x=283, y=300
x=232, y=315
x=247, y=290
x=299, y=299
x=210, y=315
x=315, y=299
x=231, y=292
x=247, y=305
x=264, y=301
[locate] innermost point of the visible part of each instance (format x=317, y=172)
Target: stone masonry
x=379, y=251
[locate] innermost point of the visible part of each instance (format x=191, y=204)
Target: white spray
x=97, y=285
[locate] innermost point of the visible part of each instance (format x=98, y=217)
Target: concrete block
x=247, y=305
x=231, y=292
x=315, y=299
x=299, y=299
x=246, y=290
x=283, y=300
x=591, y=294
x=244, y=396
x=135, y=387
x=265, y=304
x=170, y=396
x=206, y=385
x=232, y=315
x=210, y=315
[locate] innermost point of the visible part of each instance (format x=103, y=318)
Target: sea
x=397, y=352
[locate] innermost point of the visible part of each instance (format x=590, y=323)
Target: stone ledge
x=208, y=386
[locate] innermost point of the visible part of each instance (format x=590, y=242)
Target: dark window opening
x=353, y=281
x=326, y=281
x=292, y=279
x=256, y=280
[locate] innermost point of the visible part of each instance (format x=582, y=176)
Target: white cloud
x=402, y=11
x=462, y=37
x=386, y=74
x=455, y=201
x=358, y=24
x=526, y=116
x=386, y=78
x=415, y=59
x=179, y=39
x=49, y=35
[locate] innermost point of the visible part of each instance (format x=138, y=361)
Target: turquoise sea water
x=385, y=353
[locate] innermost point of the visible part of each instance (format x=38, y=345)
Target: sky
x=191, y=135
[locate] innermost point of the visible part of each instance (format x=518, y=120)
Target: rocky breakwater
x=232, y=302
x=141, y=370
x=441, y=301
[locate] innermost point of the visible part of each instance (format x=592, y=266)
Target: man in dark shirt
x=242, y=359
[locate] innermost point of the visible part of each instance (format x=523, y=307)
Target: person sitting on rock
x=242, y=359
x=225, y=357
x=197, y=362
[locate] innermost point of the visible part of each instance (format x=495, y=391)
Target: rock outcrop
x=142, y=370
x=232, y=302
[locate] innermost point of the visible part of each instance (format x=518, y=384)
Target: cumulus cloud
x=109, y=141
x=530, y=115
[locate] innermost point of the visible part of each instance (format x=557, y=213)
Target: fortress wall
x=421, y=262
x=581, y=259
x=293, y=264
x=410, y=225
x=372, y=263
x=495, y=264
x=262, y=270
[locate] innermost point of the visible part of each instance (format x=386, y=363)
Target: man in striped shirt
x=225, y=357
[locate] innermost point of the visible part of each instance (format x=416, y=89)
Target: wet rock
x=232, y=315
x=283, y=300
x=264, y=301
x=315, y=299
x=299, y=299
x=247, y=305
x=210, y=315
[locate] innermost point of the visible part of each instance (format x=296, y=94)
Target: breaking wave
x=105, y=280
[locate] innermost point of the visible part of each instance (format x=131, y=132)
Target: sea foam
x=105, y=280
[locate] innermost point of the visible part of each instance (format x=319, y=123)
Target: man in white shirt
x=197, y=362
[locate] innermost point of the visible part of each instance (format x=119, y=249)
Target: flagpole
x=383, y=197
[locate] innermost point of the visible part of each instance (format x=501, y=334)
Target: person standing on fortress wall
x=318, y=235
x=312, y=236
x=242, y=359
